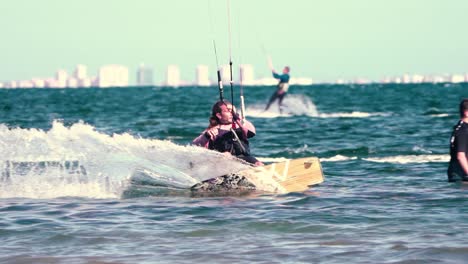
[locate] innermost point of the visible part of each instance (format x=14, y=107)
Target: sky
x=324, y=40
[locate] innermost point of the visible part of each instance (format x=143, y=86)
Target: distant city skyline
x=322, y=40
x=113, y=75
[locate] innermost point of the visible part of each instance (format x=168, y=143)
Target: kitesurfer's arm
x=204, y=138
x=461, y=157
x=201, y=140
x=248, y=128
x=283, y=78
x=276, y=75
x=462, y=149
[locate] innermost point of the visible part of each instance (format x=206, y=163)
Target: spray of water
x=293, y=105
x=297, y=105
x=80, y=161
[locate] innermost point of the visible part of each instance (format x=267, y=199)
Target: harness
x=233, y=142
x=283, y=86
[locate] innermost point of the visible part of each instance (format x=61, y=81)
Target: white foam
x=337, y=158
x=405, y=159
x=109, y=161
x=271, y=160
x=354, y=114
x=400, y=159
x=298, y=104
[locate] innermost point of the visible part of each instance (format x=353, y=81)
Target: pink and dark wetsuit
x=226, y=141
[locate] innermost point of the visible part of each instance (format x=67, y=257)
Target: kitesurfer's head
x=464, y=108
x=286, y=69
x=221, y=113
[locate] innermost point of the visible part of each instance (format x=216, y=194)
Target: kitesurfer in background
x=458, y=165
x=281, y=88
x=226, y=133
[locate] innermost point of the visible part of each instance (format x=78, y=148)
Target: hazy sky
x=323, y=40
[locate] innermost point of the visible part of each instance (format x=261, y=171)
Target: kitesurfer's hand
x=235, y=116
x=211, y=133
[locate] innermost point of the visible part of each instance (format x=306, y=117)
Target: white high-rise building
x=72, y=83
x=202, y=76
x=406, y=78
x=12, y=84
x=247, y=74
x=113, y=76
x=38, y=83
x=25, y=84
x=51, y=83
x=145, y=75
x=86, y=82
x=309, y=81
x=80, y=72
x=457, y=78
x=225, y=74
x=417, y=78
x=173, y=76
x=61, y=77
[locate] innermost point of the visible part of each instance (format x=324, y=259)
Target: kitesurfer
x=458, y=165
x=281, y=88
x=226, y=133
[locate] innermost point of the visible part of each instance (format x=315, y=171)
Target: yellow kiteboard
x=294, y=175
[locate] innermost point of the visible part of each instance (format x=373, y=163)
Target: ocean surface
x=67, y=157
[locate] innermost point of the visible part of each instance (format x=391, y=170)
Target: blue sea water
x=66, y=156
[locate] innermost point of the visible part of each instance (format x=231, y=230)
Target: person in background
x=226, y=133
x=282, y=88
x=458, y=165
